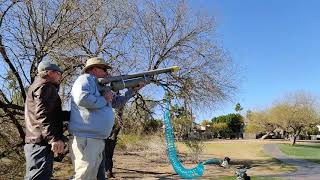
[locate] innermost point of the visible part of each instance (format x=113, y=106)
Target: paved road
x=306, y=170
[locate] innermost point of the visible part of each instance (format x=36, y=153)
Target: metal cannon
x=132, y=80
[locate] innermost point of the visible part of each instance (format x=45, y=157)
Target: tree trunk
x=294, y=140
x=265, y=136
x=295, y=136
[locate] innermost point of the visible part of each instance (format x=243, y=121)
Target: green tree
x=238, y=108
x=235, y=124
x=313, y=130
x=260, y=122
x=221, y=129
x=296, y=112
x=205, y=123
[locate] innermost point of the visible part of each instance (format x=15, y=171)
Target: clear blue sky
x=276, y=43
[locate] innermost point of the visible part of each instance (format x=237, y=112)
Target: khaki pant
x=86, y=156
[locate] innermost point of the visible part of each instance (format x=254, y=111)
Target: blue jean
x=39, y=161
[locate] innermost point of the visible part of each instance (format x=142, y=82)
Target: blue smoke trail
x=172, y=153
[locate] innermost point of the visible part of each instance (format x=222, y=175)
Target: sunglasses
x=104, y=69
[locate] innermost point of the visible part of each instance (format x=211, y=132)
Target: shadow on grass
x=256, y=163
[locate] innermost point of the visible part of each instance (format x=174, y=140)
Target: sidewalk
x=306, y=170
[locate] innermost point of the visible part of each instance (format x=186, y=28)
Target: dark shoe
x=110, y=175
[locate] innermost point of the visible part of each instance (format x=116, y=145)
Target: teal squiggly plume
x=172, y=153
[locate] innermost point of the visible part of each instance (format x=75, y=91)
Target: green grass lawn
x=310, y=152
x=249, y=153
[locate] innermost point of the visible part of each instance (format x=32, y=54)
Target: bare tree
x=30, y=32
x=150, y=35
x=167, y=33
x=132, y=36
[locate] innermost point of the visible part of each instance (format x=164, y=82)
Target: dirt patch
x=140, y=165
x=155, y=165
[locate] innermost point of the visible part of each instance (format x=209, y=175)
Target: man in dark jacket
x=44, y=122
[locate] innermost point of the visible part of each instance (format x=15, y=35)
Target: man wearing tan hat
x=92, y=118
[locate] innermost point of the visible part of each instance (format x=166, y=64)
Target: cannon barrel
x=122, y=78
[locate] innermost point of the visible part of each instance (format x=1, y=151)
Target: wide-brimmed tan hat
x=95, y=61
